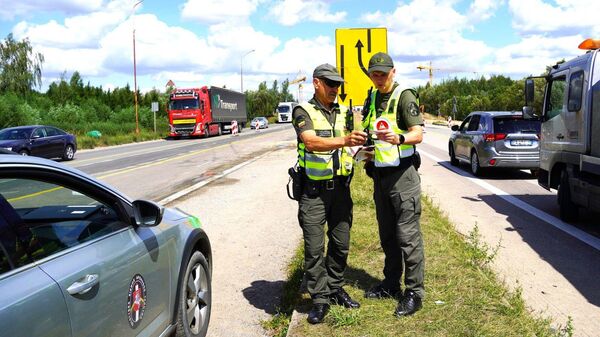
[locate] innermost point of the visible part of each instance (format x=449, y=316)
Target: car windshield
x=516, y=125
x=283, y=108
x=13, y=134
x=183, y=104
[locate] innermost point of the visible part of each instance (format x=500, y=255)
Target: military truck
x=570, y=134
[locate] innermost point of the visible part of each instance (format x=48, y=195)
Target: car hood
x=11, y=143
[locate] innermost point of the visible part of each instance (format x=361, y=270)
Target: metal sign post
x=154, y=109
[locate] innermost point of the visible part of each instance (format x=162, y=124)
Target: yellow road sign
x=354, y=47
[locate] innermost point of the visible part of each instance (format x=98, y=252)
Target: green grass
x=463, y=296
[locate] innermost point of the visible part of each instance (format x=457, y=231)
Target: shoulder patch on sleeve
x=300, y=121
x=413, y=109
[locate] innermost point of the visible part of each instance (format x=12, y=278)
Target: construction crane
x=299, y=80
x=430, y=68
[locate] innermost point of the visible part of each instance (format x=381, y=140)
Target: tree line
x=77, y=107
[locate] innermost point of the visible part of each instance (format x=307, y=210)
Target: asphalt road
x=157, y=169
x=554, y=263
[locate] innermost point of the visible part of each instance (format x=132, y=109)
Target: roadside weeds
x=464, y=297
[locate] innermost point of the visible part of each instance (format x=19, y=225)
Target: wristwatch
x=400, y=139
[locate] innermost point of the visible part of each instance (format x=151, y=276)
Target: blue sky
x=201, y=42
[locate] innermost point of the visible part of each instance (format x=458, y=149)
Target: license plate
x=520, y=142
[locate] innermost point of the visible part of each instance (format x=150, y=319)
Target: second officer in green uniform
x=322, y=129
x=392, y=114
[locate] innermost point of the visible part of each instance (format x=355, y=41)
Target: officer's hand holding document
x=361, y=153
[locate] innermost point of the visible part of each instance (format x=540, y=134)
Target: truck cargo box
x=227, y=105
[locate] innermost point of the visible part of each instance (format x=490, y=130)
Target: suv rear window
x=516, y=125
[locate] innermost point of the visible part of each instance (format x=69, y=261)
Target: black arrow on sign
x=359, y=46
x=343, y=92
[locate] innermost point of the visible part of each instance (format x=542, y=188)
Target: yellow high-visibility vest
x=387, y=154
x=324, y=165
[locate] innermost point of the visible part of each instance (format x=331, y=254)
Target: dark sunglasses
x=331, y=83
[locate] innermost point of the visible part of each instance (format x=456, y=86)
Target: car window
x=575, y=91
x=51, y=132
x=516, y=125
x=39, y=132
x=555, y=97
x=465, y=123
x=483, y=125
x=39, y=219
x=474, y=123
x=13, y=135
x=283, y=108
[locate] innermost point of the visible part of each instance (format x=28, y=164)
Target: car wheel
x=69, y=153
x=24, y=153
x=453, y=160
x=568, y=210
x=194, y=299
x=475, y=168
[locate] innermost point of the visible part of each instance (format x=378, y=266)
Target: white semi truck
x=570, y=134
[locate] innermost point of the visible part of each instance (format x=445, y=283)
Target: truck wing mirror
x=529, y=91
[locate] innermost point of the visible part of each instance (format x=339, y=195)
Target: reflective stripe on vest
x=387, y=154
x=319, y=165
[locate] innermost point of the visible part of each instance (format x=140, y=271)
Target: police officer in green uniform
x=322, y=129
x=393, y=120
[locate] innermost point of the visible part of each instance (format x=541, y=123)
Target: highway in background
x=156, y=169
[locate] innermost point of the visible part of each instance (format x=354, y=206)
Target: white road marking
x=552, y=220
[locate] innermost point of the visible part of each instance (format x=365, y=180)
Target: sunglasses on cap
x=330, y=83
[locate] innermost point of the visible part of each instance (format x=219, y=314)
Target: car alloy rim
x=69, y=152
x=198, y=299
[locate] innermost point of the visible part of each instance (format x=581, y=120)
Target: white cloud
x=417, y=39
x=216, y=11
x=291, y=12
x=567, y=17
x=10, y=9
x=533, y=54
x=481, y=10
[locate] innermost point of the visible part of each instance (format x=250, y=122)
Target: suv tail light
x=490, y=137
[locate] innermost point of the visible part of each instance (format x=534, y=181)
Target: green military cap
x=381, y=62
x=327, y=71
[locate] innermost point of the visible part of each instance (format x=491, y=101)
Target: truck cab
x=570, y=133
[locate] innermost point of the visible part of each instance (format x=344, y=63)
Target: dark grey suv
x=487, y=139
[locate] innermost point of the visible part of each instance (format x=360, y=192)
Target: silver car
x=489, y=139
x=78, y=258
x=259, y=123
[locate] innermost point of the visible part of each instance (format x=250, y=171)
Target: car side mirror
x=147, y=213
x=454, y=128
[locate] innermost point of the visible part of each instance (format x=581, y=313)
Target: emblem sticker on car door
x=136, y=300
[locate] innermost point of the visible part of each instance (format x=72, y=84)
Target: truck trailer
x=570, y=134
x=205, y=111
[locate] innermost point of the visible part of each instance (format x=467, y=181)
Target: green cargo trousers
x=325, y=274
x=397, y=196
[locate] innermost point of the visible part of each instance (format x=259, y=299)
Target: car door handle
x=84, y=285
x=560, y=136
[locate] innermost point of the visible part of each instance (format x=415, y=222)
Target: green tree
x=20, y=67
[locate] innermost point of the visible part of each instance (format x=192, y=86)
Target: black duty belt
x=330, y=184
